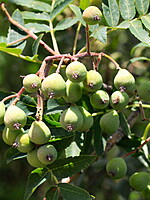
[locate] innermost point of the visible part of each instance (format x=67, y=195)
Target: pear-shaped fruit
x=124, y=81
x=93, y=81
x=15, y=118
x=31, y=83
x=39, y=133
x=109, y=122
x=116, y=168
x=119, y=100
x=47, y=154
x=144, y=91
x=9, y=136
x=54, y=86
x=92, y=15
x=2, y=112
x=139, y=180
x=33, y=159
x=71, y=119
x=99, y=99
x=23, y=143
x=73, y=92
x=76, y=71
x=87, y=120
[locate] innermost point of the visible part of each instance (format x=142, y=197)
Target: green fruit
x=9, y=136
x=33, y=159
x=76, y=71
x=53, y=86
x=116, y=168
x=23, y=143
x=39, y=133
x=15, y=118
x=71, y=119
x=93, y=81
x=109, y=122
x=146, y=192
x=139, y=181
x=31, y=83
x=119, y=100
x=47, y=154
x=124, y=81
x=144, y=91
x=87, y=120
x=54, y=67
x=92, y=15
x=99, y=99
x=2, y=112
x=73, y=92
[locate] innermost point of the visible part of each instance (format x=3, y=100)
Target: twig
x=59, y=66
x=19, y=40
x=30, y=33
x=76, y=38
x=87, y=39
x=111, y=59
x=142, y=112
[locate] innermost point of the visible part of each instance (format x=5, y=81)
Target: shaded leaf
x=146, y=21
x=84, y=4
x=35, y=44
x=138, y=45
x=67, y=167
x=142, y=6
x=48, y=119
x=124, y=124
x=100, y=34
x=36, y=178
x=127, y=9
x=73, y=192
x=66, y=23
x=13, y=154
x=86, y=148
x=55, y=106
x=37, y=28
x=52, y=193
x=137, y=30
x=111, y=13
x=35, y=16
x=36, y=5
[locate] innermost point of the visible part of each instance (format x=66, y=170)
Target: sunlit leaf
x=146, y=21
x=37, y=28
x=142, y=6
x=127, y=9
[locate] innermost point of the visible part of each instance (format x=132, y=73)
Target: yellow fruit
x=2, y=112
x=99, y=99
x=31, y=83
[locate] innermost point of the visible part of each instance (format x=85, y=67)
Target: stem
x=87, y=39
x=53, y=38
x=59, y=66
x=137, y=105
x=147, y=130
x=40, y=103
x=76, y=38
x=142, y=112
x=30, y=33
x=19, y=40
x=111, y=59
x=18, y=95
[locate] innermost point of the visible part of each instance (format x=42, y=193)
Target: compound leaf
x=127, y=9
x=142, y=6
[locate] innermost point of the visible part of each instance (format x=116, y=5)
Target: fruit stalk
x=40, y=102
x=87, y=39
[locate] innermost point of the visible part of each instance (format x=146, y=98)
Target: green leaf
x=55, y=106
x=35, y=45
x=72, y=150
x=13, y=154
x=73, y=192
x=66, y=23
x=139, y=58
x=48, y=119
x=124, y=25
x=14, y=33
x=15, y=52
x=67, y=167
x=124, y=124
x=60, y=6
x=35, y=179
x=3, y=40
x=84, y=4
x=100, y=34
x=78, y=13
x=138, y=45
x=36, y=5
x=86, y=148
x=111, y=13
x=137, y=30
x=142, y=6
x=37, y=28
x=52, y=193
x=127, y=9
x=35, y=16
x=146, y=21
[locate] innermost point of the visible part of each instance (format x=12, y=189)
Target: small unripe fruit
x=39, y=133
x=53, y=86
x=99, y=99
x=76, y=71
x=139, y=181
x=2, y=112
x=23, y=143
x=144, y=91
x=33, y=159
x=47, y=154
x=124, y=81
x=92, y=15
x=116, y=168
x=15, y=118
x=71, y=119
x=9, y=136
x=31, y=83
x=73, y=92
x=109, y=122
x=93, y=81
x=119, y=100
x=87, y=120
